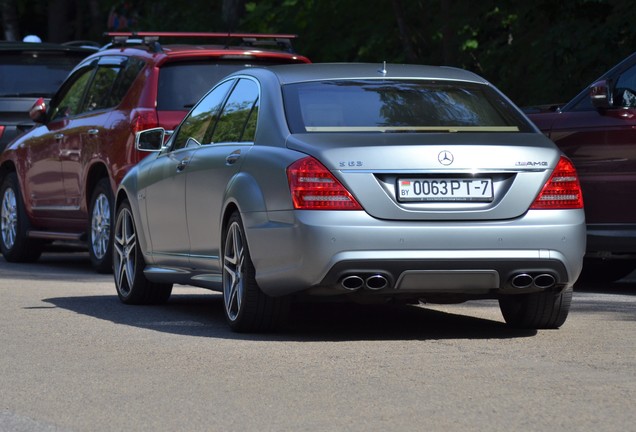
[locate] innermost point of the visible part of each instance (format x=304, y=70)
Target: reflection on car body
x=597, y=130
x=291, y=181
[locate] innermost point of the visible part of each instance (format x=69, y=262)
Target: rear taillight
x=562, y=191
x=313, y=187
x=1, y=131
x=143, y=119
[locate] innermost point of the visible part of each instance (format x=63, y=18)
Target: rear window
x=182, y=84
x=34, y=74
x=398, y=106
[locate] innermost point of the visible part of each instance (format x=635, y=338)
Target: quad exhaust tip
x=525, y=280
x=373, y=282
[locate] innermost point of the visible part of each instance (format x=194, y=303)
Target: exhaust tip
x=544, y=281
x=376, y=282
x=522, y=280
x=352, y=283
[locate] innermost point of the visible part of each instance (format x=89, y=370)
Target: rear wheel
x=130, y=281
x=247, y=308
x=100, y=241
x=544, y=310
x=15, y=244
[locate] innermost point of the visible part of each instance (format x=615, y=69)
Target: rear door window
x=238, y=118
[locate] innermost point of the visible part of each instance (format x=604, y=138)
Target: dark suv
x=597, y=130
x=29, y=71
x=58, y=180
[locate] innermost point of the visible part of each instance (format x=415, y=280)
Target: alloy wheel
x=9, y=218
x=125, y=245
x=233, y=277
x=100, y=226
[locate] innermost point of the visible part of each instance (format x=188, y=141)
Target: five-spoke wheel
x=128, y=264
x=247, y=308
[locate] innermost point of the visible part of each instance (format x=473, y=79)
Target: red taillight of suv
x=143, y=119
x=1, y=131
x=313, y=187
x=562, y=191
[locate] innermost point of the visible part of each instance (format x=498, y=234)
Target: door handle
x=93, y=131
x=58, y=136
x=182, y=164
x=233, y=157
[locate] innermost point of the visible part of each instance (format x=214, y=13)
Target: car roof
x=16, y=47
x=288, y=74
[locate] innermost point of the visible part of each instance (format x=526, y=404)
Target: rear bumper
x=313, y=251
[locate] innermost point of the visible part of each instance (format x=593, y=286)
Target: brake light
x=143, y=119
x=563, y=190
x=1, y=131
x=313, y=187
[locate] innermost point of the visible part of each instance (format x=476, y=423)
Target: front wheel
x=247, y=308
x=130, y=281
x=543, y=310
x=100, y=240
x=15, y=244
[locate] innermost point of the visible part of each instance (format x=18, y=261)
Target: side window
x=625, y=89
x=198, y=121
x=237, y=122
x=130, y=70
x=98, y=96
x=67, y=103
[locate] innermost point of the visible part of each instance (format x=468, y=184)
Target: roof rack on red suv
x=280, y=41
x=57, y=181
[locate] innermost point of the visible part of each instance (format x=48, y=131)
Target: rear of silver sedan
x=465, y=203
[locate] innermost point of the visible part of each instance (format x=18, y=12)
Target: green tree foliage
x=536, y=52
x=543, y=51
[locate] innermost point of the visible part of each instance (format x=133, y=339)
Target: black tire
x=544, y=310
x=15, y=244
x=128, y=264
x=246, y=307
x=598, y=270
x=100, y=236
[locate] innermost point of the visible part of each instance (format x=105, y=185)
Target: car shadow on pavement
x=202, y=316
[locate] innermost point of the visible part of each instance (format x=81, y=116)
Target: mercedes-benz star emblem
x=445, y=157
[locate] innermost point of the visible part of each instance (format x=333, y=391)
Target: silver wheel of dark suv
x=15, y=244
x=100, y=238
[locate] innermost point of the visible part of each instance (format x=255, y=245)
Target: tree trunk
x=58, y=22
x=409, y=50
x=10, y=20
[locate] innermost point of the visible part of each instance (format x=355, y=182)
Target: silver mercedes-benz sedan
x=356, y=181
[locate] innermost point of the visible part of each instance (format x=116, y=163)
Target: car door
x=212, y=169
x=84, y=136
x=166, y=193
x=602, y=144
x=43, y=163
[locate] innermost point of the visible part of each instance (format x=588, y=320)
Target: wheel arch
x=96, y=172
x=6, y=168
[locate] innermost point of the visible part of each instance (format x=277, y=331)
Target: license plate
x=445, y=189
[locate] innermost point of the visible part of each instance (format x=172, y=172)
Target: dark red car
x=597, y=130
x=57, y=180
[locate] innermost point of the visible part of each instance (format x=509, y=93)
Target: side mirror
x=600, y=95
x=150, y=140
x=37, y=113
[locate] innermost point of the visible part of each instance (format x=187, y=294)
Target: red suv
x=57, y=180
x=597, y=130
